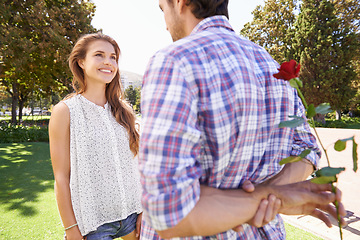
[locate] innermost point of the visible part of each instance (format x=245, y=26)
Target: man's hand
x=267, y=211
x=307, y=198
x=220, y=210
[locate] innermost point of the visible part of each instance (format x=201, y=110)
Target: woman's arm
x=59, y=138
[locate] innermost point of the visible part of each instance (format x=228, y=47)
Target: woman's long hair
x=122, y=111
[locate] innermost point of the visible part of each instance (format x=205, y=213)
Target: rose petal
x=288, y=70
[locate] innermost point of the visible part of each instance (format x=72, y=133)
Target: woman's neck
x=96, y=96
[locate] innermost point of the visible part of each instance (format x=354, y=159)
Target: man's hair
x=208, y=8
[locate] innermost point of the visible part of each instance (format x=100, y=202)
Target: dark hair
x=123, y=113
x=208, y=8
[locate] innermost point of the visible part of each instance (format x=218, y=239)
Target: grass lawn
x=27, y=204
x=35, y=118
x=293, y=233
x=27, y=201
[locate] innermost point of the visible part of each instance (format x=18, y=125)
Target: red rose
x=288, y=71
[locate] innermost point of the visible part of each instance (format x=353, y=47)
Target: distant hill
x=131, y=77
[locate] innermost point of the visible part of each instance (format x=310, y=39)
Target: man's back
x=213, y=106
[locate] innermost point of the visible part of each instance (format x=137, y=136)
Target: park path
x=348, y=182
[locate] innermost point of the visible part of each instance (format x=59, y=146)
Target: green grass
x=30, y=118
x=293, y=233
x=27, y=202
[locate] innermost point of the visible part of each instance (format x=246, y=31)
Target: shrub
x=21, y=133
x=38, y=122
x=345, y=122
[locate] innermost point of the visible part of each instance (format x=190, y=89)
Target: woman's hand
x=74, y=234
x=138, y=225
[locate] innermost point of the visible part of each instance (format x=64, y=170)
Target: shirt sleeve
x=304, y=138
x=169, y=144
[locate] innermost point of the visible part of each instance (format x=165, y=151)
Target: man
x=210, y=115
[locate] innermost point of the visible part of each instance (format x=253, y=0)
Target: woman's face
x=100, y=65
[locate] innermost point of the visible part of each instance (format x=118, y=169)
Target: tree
x=349, y=12
x=36, y=38
x=325, y=49
x=270, y=27
x=4, y=97
x=354, y=104
x=323, y=35
x=132, y=95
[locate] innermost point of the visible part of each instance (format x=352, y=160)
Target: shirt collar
x=215, y=21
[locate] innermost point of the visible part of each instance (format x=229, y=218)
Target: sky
x=139, y=28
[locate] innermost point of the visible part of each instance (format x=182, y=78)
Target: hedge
x=22, y=133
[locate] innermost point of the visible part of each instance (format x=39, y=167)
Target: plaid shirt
x=210, y=115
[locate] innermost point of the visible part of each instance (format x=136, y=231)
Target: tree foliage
x=133, y=95
x=270, y=27
x=4, y=97
x=325, y=49
x=36, y=38
x=349, y=12
x=323, y=35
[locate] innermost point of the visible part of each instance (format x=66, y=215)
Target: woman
x=93, y=142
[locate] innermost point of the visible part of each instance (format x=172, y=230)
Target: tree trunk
x=320, y=118
x=21, y=105
x=14, y=104
x=338, y=114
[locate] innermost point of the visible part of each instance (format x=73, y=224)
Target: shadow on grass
x=25, y=171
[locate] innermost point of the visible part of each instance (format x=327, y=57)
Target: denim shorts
x=114, y=229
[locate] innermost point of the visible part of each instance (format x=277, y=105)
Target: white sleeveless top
x=104, y=178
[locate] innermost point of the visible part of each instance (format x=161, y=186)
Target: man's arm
x=220, y=210
x=303, y=139
x=292, y=172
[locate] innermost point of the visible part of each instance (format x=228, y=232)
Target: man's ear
x=181, y=5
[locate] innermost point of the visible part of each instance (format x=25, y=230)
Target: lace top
x=104, y=179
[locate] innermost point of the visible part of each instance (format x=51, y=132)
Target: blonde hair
x=122, y=111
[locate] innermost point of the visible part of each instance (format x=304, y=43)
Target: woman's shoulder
x=72, y=102
x=60, y=117
x=70, y=99
x=60, y=109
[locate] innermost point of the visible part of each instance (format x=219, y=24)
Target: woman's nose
x=107, y=61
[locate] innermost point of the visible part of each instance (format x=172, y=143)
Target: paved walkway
x=348, y=182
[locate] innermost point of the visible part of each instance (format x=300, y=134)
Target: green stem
x=318, y=138
x=327, y=159
x=313, y=123
x=336, y=203
x=337, y=211
x=302, y=97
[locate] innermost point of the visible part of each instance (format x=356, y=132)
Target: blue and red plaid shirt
x=210, y=114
